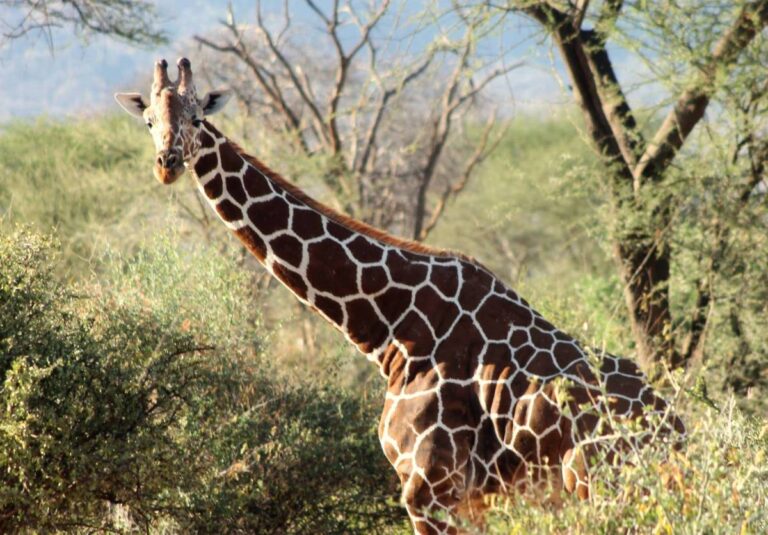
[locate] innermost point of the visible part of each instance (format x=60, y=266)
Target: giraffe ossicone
x=484, y=396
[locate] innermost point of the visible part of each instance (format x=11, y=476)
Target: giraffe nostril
x=170, y=161
x=160, y=160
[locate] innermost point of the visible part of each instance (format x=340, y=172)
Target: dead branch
x=481, y=152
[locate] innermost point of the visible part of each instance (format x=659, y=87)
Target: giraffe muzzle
x=169, y=166
x=168, y=159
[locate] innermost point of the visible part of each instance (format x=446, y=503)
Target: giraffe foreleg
x=433, y=475
x=575, y=474
x=431, y=505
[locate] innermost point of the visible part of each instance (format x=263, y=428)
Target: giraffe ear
x=215, y=100
x=133, y=103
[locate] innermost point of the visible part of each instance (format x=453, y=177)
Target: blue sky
x=78, y=76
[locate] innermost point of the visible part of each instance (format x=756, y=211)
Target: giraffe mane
x=345, y=220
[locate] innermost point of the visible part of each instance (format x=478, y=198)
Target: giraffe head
x=174, y=116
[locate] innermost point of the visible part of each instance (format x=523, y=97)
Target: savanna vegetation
x=154, y=379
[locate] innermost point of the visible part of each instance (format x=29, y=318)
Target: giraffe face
x=173, y=116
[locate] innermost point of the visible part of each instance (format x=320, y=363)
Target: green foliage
x=718, y=483
x=82, y=179
x=141, y=409
x=530, y=214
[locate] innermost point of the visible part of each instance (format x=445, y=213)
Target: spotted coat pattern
x=483, y=394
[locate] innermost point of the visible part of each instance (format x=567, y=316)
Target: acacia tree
x=703, y=52
x=129, y=20
x=383, y=112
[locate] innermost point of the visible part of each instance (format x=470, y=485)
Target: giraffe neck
x=359, y=279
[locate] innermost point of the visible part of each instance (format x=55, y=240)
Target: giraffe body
x=484, y=396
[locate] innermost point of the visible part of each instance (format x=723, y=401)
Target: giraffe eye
x=149, y=125
x=196, y=122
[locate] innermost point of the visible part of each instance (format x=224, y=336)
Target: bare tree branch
x=481, y=152
x=297, y=83
x=131, y=21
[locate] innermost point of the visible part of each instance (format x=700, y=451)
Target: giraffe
x=484, y=396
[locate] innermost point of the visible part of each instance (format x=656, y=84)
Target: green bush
x=145, y=403
x=718, y=483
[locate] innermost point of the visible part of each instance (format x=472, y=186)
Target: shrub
x=718, y=483
x=145, y=402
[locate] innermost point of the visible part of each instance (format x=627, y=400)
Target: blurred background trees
x=391, y=103
x=133, y=21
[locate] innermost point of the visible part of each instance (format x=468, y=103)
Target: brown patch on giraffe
x=445, y=279
x=307, y=224
x=523, y=354
x=497, y=355
x=215, y=131
x=206, y=163
x=255, y=184
x=444, y=320
x=214, y=187
x=494, y=317
x=460, y=406
x=413, y=332
x=566, y=354
x=413, y=256
x=403, y=271
x=393, y=303
x=269, y=216
x=474, y=289
x=428, y=300
x=584, y=422
x=231, y=162
x=373, y=280
x=294, y=201
x=292, y=279
x=229, y=211
x=365, y=251
x=418, y=366
x=647, y=397
x=520, y=384
x=561, y=336
x=519, y=337
x=330, y=270
x=367, y=335
x=541, y=323
x=458, y=354
x=481, y=276
x=520, y=316
x=628, y=367
x=542, y=364
x=509, y=470
x=236, y=190
x=329, y=307
x=608, y=365
x=253, y=242
x=287, y=248
x=621, y=383
x=420, y=411
x=541, y=339
x=205, y=139
x=338, y=231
